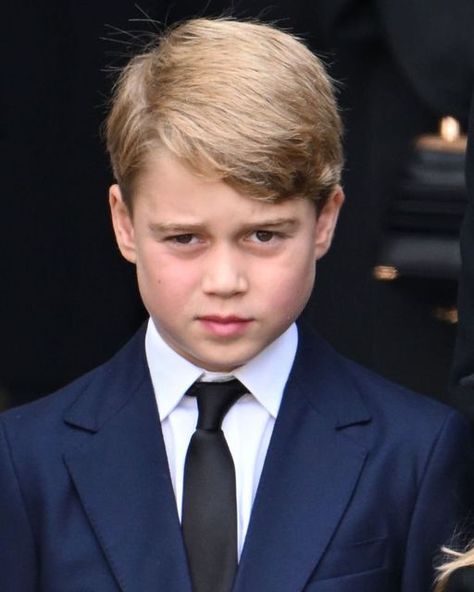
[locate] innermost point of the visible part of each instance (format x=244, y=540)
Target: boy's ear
x=326, y=222
x=122, y=223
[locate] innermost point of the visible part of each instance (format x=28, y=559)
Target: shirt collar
x=264, y=376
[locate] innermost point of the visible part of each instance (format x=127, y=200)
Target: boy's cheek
x=167, y=288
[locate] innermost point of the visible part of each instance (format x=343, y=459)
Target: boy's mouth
x=224, y=326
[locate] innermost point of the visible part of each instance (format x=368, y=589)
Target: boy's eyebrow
x=292, y=222
x=167, y=227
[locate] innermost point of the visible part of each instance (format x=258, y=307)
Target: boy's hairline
x=128, y=193
x=129, y=200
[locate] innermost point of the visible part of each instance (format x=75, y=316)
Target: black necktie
x=209, y=500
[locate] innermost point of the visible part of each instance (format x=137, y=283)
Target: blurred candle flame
x=447, y=314
x=385, y=273
x=449, y=129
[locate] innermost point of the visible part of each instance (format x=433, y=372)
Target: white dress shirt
x=247, y=426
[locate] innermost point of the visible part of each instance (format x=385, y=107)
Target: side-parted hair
x=241, y=102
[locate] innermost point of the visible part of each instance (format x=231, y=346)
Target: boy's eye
x=183, y=239
x=264, y=236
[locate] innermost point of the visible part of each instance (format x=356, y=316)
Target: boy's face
x=221, y=274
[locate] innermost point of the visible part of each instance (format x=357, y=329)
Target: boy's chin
x=227, y=358
x=226, y=365
x=220, y=359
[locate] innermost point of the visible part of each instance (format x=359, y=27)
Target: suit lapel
x=118, y=463
x=310, y=472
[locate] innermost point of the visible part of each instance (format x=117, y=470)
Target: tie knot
x=214, y=399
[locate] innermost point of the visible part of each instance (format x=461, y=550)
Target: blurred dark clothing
x=462, y=580
x=431, y=42
x=463, y=367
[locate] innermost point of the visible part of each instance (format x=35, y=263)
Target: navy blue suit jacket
x=362, y=483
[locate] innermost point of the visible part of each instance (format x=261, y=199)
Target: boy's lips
x=224, y=326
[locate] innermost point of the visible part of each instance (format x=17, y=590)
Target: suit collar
x=332, y=391
x=118, y=380
x=111, y=386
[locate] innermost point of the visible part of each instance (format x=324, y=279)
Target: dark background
x=67, y=300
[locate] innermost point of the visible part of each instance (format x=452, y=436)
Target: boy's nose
x=225, y=274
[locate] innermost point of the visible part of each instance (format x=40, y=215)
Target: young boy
x=225, y=144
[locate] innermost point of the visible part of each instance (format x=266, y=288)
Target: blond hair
x=241, y=102
x=455, y=560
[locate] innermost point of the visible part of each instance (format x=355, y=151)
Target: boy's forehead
x=222, y=213
x=167, y=177
x=163, y=165
x=167, y=180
